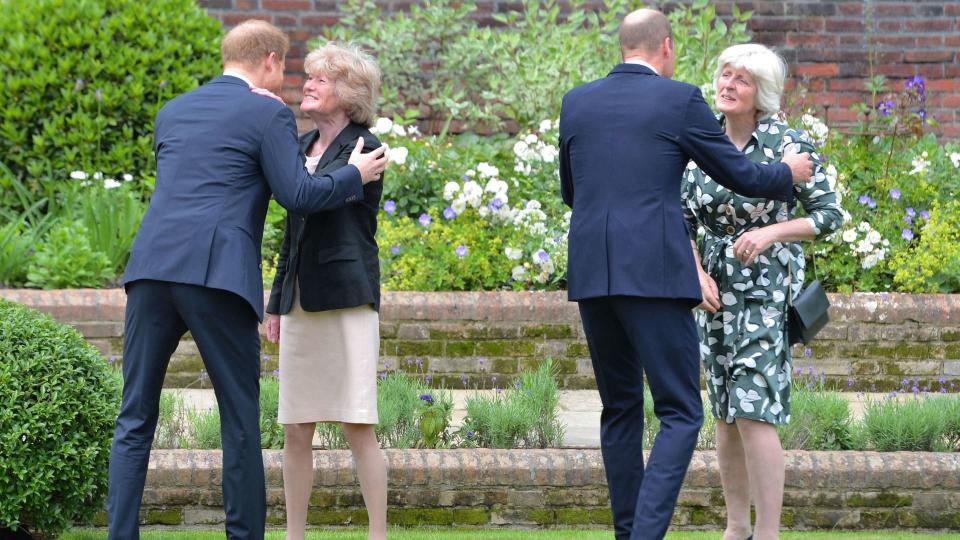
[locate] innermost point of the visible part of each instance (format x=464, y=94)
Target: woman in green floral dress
x=751, y=262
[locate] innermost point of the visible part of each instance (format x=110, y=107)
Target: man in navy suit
x=222, y=150
x=624, y=143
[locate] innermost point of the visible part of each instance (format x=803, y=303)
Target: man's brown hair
x=251, y=41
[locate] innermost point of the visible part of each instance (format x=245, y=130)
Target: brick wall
x=826, y=43
x=502, y=488
x=872, y=342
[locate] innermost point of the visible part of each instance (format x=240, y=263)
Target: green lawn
x=509, y=534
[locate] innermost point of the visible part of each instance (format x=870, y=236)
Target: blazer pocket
x=337, y=253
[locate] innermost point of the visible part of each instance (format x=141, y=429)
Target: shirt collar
x=644, y=64
x=237, y=74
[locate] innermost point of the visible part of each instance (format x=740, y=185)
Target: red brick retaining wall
x=873, y=340
x=532, y=488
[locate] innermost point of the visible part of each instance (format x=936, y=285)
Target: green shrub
x=111, y=218
x=523, y=416
x=58, y=405
x=171, y=422
x=931, y=264
x=203, y=429
x=908, y=423
x=82, y=82
x=66, y=259
x=271, y=431
x=401, y=409
x=819, y=420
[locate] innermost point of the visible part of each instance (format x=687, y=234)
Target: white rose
x=487, y=171
x=110, y=183
x=549, y=153
x=78, y=175
x=518, y=273
x=449, y=190
x=459, y=205
x=127, y=177
x=531, y=139
x=398, y=155
x=869, y=261
x=850, y=236
x=873, y=237
x=383, y=125
x=513, y=254
x=398, y=130
x=545, y=125
x=955, y=159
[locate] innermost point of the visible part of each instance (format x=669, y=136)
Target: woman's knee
x=298, y=434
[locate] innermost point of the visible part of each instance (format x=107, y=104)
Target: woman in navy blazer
x=325, y=297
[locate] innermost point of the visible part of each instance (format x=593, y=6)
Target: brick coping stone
x=887, y=308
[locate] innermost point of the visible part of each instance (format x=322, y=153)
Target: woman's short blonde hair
x=768, y=69
x=356, y=77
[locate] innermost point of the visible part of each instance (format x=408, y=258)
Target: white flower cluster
x=542, y=265
x=866, y=244
x=386, y=126
x=920, y=164
x=955, y=159
x=531, y=148
x=108, y=183
x=817, y=130
x=490, y=201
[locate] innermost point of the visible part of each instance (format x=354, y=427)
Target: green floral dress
x=745, y=352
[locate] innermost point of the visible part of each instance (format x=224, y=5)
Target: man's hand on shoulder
x=371, y=164
x=801, y=166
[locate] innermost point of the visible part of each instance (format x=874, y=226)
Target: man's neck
x=241, y=74
x=641, y=61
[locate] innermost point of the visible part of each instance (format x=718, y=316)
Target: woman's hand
x=709, y=291
x=273, y=328
x=752, y=243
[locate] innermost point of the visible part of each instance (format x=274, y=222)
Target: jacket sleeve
x=292, y=186
x=702, y=138
x=817, y=197
x=276, y=291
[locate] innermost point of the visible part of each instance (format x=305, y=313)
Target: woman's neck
x=739, y=129
x=328, y=127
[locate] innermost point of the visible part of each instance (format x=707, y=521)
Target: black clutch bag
x=807, y=315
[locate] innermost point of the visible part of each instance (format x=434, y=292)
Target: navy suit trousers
x=629, y=337
x=225, y=329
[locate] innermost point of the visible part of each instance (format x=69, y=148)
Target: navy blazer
x=332, y=255
x=221, y=151
x=624, y=143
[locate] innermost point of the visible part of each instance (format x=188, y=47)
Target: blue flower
x=907, y=235
x=425, y=219
x=390, y=206
x=908, y=219
x=112, y=360
x=276, y=372
x=917, y=84
x=449, y=213
x=78, y=86
x=495, y=204
x=885, y=107
x=911, y=212
x=542, y=256
x=808, y=352
x=871, y=204
x=461, y=251
x=98, y=95
x=394, y=249
x=470, y=434
x=894, y=194
x=427, y=397
x=924, y=214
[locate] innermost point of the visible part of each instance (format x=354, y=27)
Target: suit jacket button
x=730, y=230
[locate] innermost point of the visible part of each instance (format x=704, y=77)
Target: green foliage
x=271, y=431
x=819, y=419
x=907, y=423
x=82, y=82
x=544, y=52
x=171, y=422
x=111, y=218
x=65, y=259
x=401, y=410
x=931, y=264
x=58, y=404
x=203, y=429
x=524, y=416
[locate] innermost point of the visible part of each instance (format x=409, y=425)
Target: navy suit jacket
x=221, y=152
x=624, y=143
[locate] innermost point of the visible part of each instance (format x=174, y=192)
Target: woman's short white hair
x=768, y=69
x=356, y=77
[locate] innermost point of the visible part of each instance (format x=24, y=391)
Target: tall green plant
x=83, y=80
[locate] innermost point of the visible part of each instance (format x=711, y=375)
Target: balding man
x=222, y=150
x=624, y=143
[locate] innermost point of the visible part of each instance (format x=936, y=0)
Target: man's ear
x=666, y=47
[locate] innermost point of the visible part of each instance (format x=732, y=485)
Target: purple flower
x=942, y=381
x=885, y=107
x=386, y=366
x=394, y=249
x=867, y=201
x=425, y=219
x=419, y=362
x=98, y=95
x=390, y=206
x=849, y=382
x=428, y=378
x=911, y=212
x=894, y=194
x=383, y=376
x=265, y=359
x=470, y=434
x=924, y=214
x=918, y=84
x=908, y=219
x=463, y=379
x=276, y=373
x=113, y=359
x=542, y=256
x=461, y=251
x=922, y=113
x=427, y=397
x=871, y=204
x=78, y=86
x=449, y=213
x=493, y=380
x=907, y=235
x=495, y=204
x=808, y=352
